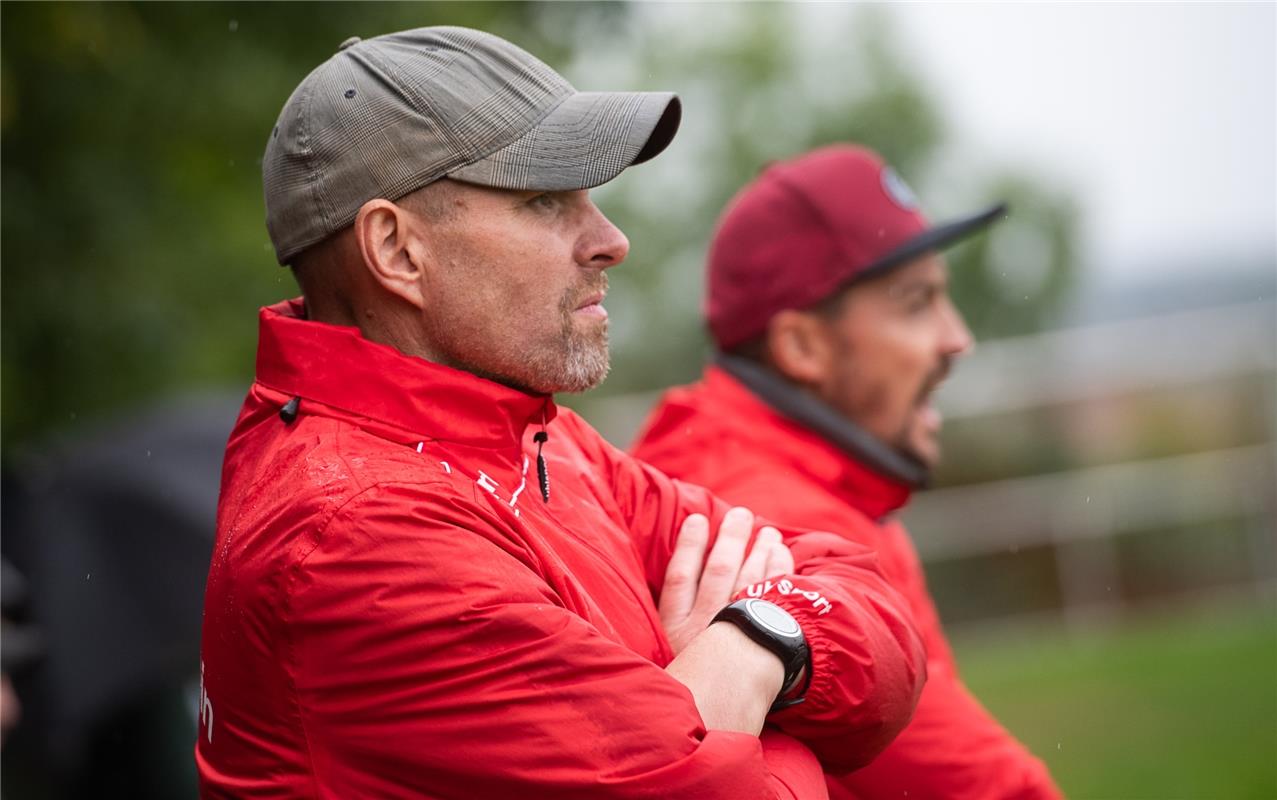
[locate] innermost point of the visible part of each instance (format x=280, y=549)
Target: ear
x=800, y=347
x=392, y=248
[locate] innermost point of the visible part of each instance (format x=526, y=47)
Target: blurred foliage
x=1009, y=282
x=134, y=248
x=133, y=243
x=772, y=85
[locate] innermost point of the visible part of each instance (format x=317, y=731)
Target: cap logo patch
x=898, y=190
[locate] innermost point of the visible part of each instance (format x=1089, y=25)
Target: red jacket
x=718, y=434
x=394, y=611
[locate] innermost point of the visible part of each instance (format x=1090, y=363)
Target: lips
x=933, y=381
x=930, y=418
x=928, y=415
x=592, y=306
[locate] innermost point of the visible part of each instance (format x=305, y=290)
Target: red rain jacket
x=394, y=611
x=718, y=434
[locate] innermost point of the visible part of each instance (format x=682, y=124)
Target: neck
x=377, y=322
x=810, y=412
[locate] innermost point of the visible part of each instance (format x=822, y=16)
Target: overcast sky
x=1161, y=118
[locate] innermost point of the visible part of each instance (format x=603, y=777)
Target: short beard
x=579, y=361
x=586, y=364
x=580, y=364
x=903, y=442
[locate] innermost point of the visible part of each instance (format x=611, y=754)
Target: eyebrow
x=917, y=285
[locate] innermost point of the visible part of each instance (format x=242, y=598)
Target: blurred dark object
x=112, y=529
x=20, y=644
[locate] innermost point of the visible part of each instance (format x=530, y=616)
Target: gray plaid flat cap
x=386, y=116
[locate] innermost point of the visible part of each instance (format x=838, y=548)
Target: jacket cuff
x=807, y=605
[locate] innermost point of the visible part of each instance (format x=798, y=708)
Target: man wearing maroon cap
x=828, y=303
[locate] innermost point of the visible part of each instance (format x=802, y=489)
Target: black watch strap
x=775, y=629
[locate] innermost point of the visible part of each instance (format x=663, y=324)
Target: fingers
x=683, y=574
x=696, y=587
x=779, y=561
x=755, y=567
x=718, y=579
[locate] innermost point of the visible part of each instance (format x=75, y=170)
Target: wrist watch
x=775, y=629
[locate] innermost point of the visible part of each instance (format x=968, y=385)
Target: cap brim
x=587, y=140
x=934, y=238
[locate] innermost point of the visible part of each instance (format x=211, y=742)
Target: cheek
x=881, y=381
x=520, y=270
x=506, y=285
x=858, y=390
x=488, y=277
x=909, y=353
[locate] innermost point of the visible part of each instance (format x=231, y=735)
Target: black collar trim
x=810, y=412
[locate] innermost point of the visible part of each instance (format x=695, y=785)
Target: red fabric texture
x=716, y=433
x=393, y=611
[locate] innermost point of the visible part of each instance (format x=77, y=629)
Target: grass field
x=1172, y=706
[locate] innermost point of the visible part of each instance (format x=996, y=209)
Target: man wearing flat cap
x=828, y=304
x=429, y=580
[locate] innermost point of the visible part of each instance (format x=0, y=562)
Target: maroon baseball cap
x=806, y=228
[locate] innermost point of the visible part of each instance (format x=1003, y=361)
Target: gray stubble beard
x=580, y=361
x=585, y=364
x=585, y=360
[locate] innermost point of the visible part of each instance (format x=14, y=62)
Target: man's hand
x=732, y=678
x=696, y=588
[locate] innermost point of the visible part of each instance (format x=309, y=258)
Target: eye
x=919, y=301
x=545, y=200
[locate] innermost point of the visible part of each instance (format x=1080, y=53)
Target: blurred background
x=1100, y=542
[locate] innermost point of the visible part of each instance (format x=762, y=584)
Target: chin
x=928, y=457
x=924, y=450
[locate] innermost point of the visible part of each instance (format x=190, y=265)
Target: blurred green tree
x=765, y=82
x=132, y=240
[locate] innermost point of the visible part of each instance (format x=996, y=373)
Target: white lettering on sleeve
x=786, y=587
x=206, y=706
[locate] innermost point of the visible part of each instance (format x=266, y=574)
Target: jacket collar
x=869, y=474
x=337, y=367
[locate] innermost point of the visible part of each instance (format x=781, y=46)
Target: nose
x=956, y=338
x=601, y=244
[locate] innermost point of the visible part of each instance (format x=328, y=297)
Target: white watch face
x=773, y=617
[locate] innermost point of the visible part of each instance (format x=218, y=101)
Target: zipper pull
x=289, y=412
x=543, y=474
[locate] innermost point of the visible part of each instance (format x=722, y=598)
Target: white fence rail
x=1074, y=364
x=1095, y=502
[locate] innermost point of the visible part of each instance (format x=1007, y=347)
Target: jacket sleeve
x=868, y=662
x=923, y=762
x=430, y=659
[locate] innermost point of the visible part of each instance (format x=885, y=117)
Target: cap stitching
x=420, y=104
x=794, y=189
x=316, y=177
x=530, y=129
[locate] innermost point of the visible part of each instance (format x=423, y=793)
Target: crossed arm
x=462, y=674
x=732, y=678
